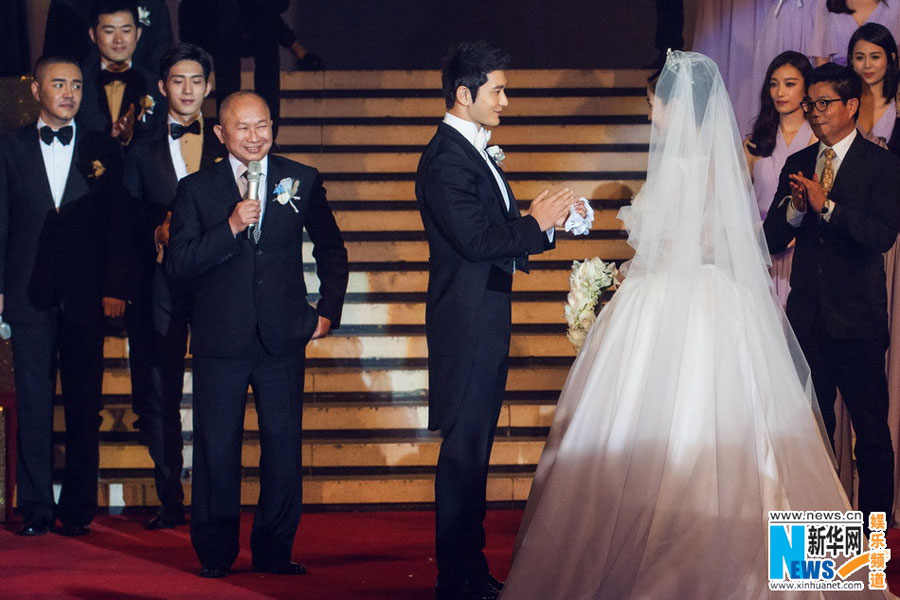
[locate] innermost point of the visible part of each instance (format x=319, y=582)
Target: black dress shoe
x=288, y=568
x=493, y=583
x=75, y=530
x=213, y=572
x=163, y=521
x=35, y=527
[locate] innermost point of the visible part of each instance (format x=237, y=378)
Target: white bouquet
x=588, y=280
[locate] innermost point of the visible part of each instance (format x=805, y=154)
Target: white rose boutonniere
x=496, y=153
x=144, y=16
x=97, y=170
x=286, y=192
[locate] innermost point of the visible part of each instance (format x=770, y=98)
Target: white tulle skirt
x=682, y=423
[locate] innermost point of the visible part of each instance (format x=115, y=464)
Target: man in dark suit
x=118, y=98
x=64, y=263
x=476, y=239
x=840, y=201
x=157, y=318
x=68, y=22
x=250, y=325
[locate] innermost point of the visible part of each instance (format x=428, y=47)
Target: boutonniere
x=144, y=16
x=219, y=159
x=286, y=192
x=97, y=170
x=496, y=152
x=147, y=106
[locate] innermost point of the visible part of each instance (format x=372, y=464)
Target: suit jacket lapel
x=270, y=218
x=848, y=167
x=76, y=186
x=163, y=157
x=513, y=212
x=34, y=159
x=470, y=150
x=210, y=147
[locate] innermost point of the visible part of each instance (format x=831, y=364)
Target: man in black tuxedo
x=843, y=218
x=476, y=239
x=118, y=98
x=157, y=318
x=250, y=325
x=68, y=24
x=64, y=263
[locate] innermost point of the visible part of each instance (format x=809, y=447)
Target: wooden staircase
x=365, y=414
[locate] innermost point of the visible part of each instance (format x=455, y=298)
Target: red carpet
x=366, y=556
x=371, y=556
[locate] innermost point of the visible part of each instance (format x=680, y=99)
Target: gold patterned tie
x=828, y=171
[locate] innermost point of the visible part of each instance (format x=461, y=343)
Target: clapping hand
x=798, y=191
x=123, y=128
x=551, y=210
x=813, y=192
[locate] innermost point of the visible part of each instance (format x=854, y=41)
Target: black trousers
x=220, y=393
x=460, y=485
x=254, y=30
x=157, y=322
x=76, y=348
x=856, y=367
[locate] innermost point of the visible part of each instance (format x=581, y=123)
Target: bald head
x=245, y=126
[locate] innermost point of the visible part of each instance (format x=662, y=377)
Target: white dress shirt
x=472, y=132
x=57, y=161
x=264, y=164
x=175, y=152
x=794, y=216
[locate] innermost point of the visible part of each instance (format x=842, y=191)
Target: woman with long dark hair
x=872, y=53
x=780, y=130
x=838, y=19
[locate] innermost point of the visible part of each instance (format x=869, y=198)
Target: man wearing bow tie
x=477, y=239
x=250, y=326
x=64, y=263
x=117, y=96
x=157, y=318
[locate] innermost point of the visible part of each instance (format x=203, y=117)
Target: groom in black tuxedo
x=64, y=263
x=840, y=200
x=250, y=326
x=477, y=239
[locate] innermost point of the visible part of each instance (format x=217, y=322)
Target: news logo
x=822, y=550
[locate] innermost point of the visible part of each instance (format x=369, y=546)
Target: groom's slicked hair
x=108, y=7
x=846, y=83
x=468, y=64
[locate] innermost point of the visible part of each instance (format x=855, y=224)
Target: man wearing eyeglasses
x=840, y=200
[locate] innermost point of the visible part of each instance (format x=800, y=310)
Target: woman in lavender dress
x=838, y=19
x=872, y=53
x=788, y=25
x=780, y=130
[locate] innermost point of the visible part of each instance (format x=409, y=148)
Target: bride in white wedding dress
x=689, y=413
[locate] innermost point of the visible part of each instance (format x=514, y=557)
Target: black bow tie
x=107, y=77
x=176, y=130
x=64, y=134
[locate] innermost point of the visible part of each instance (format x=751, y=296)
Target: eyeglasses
x=820, y=104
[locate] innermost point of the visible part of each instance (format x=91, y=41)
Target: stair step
x=378, y=378
x=410, y=220
x=387, y=162
x=431, y=79
x=335, y=491
x=119, y=418
x=523, y=189
x=331, y=134
x=566, y=249
x=433, y=107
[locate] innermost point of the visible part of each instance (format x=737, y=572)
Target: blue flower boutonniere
x=286, y=192
x=496, y=153
x=144, y=16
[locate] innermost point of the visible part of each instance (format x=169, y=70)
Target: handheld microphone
x=254, y=171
